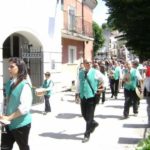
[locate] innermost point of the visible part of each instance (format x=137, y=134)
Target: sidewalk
x=64, y=127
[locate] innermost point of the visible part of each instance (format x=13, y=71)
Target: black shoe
x=95, y=124
x=126, y=116
x=111, y=96
x=85, y=139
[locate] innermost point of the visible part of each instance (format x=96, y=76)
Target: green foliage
x=132, y=18
x=106, y=26
x=144, y=144
x=98, y=37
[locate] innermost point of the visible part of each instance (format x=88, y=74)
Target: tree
x=132, y=18
x=98, y=37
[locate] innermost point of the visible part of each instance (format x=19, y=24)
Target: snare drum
x=40, y=92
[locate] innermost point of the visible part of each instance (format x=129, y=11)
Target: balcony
x=91, y=3
x=75, y=27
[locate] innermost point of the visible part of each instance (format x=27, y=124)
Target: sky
x=100, y=13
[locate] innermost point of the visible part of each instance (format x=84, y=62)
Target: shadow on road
x=135, y=126
x=61, y=135
x=108, y=116
x=115, y=106
x=125, y=140
x=67, y=115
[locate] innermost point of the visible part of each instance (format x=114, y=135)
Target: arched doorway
x=28, y=47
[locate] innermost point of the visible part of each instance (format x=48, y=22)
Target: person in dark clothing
x=103, y=71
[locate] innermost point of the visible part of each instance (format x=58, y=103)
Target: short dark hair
x=86, y=61
x=135, y=62
x=47, y=74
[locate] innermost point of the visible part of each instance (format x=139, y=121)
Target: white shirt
x=99, y=76
x=29, y=79
x=26, y=98
x=138, y=75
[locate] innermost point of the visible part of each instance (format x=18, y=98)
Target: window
x=11, y=47
x=6, y=48
x=71, y=54
x=71, y=17
x=15, y=46
x=53, y=65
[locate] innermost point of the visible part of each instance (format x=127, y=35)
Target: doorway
x=17, y=45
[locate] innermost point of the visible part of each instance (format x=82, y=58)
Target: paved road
x=64, y=127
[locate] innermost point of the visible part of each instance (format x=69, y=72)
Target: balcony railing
x=76, y=24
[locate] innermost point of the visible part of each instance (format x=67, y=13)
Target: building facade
x=30, y=29
x=77, y=35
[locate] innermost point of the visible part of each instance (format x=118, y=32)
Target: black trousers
x=103, y=95
x=19, y=135
x=47, y=103
x=114, y=86
x=87, y=110
x=131, y=99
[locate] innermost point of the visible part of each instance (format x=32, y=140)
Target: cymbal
x=139, y=94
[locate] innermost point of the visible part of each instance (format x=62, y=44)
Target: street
x=64, y=127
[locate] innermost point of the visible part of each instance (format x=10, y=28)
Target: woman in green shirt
x=19, y=95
